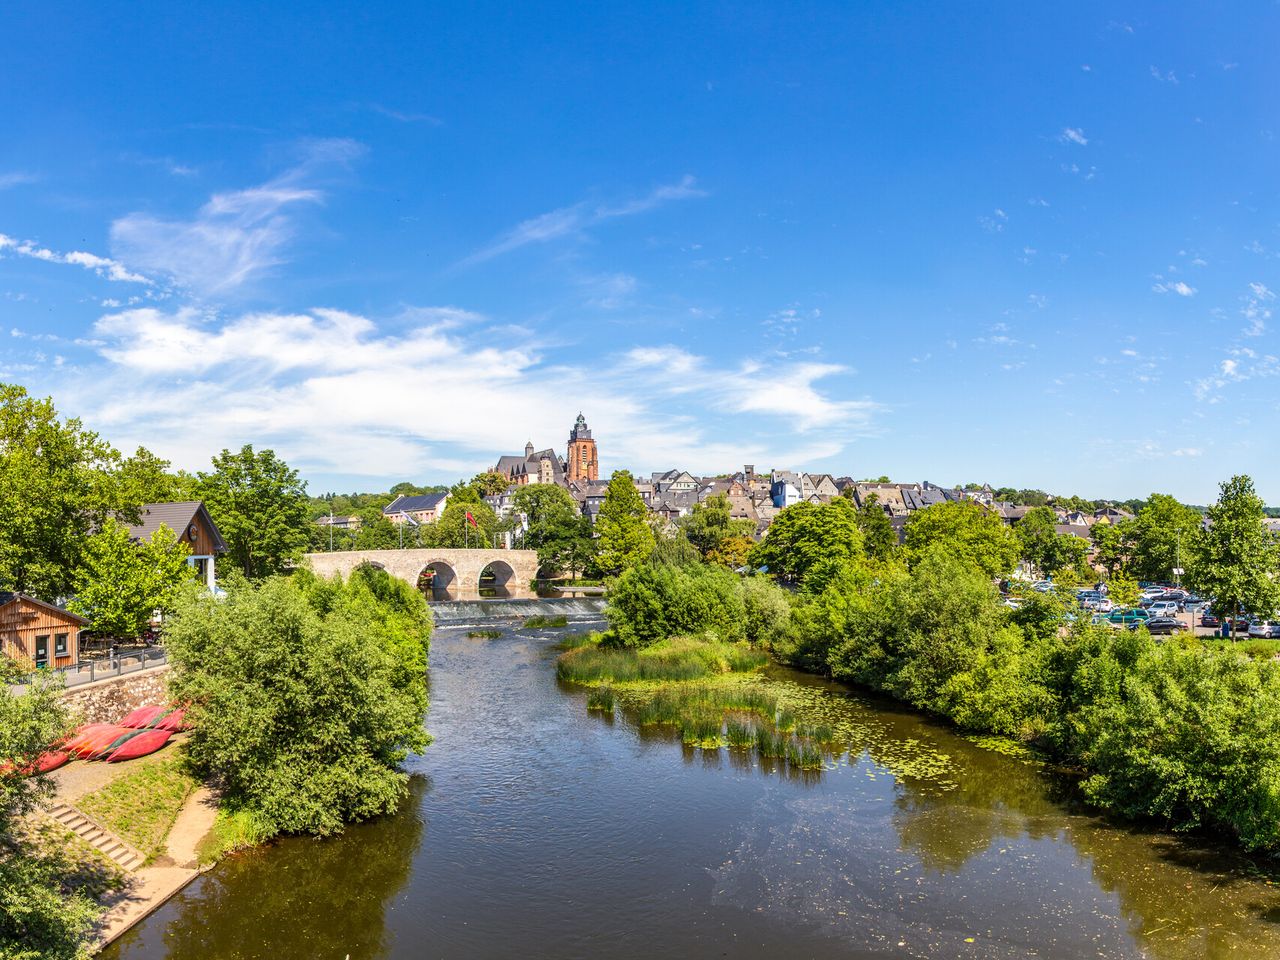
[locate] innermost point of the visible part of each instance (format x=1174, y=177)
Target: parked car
x=1103, y=606
x=1165, y=626
x=1042, y=586
x=1265, y=630
x=1164, y=608
x=1126, y=617
x=1209, y=620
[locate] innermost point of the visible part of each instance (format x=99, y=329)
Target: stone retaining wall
x=106, y=701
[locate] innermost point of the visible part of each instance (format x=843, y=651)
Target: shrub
x=305, y=694
x=652, y=601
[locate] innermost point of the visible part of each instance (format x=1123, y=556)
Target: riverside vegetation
x=1182, y=732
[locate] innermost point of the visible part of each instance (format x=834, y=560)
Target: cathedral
x=546, y=466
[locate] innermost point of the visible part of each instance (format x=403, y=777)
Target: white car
x=1163, y=608
x=1265, y=629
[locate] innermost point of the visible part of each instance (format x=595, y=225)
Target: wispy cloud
x=295, y=380
x=16, y=178
x=1074, y=135
x=405, y=116
x=102, y=266
x=1179, y=287
x=576, y=219
x=1256, y=310
x=237, y=235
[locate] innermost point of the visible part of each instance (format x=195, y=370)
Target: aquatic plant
x=601, y=698
x=740, y=736
x=541, y=622
x=484, y=634
x=784, y=719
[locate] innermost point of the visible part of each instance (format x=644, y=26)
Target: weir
x=461, y=611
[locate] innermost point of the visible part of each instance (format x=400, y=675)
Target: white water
x=575, y=608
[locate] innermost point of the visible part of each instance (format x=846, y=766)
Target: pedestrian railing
x=122, y=663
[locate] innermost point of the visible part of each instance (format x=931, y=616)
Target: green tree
x=1123, y=590
x=653, y=601
x=378, y=533
x=734, y=551
x=120, y=583
x=145, y=478
x=57, y=485
x=624, y=536
x=710, y=522
x=550, y=514
x=260, y=507
x=807, y=536
x=569, y=547
x=1235, y=560
x=1110, y=545
x=43, y=914
x=489, y=484
x=966, y=530
x=306, y=695
x=1161, y=538
x=454, y=530
x=879, y=539
x=1046, y=549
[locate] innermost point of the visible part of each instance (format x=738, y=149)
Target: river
x=535, y=829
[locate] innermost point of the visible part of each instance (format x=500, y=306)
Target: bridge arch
x=461, y=573
x=438, y=580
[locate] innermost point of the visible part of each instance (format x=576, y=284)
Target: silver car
x=1265, y=629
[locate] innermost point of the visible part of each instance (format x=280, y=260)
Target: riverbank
x=154, y=847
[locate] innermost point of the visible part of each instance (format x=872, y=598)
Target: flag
x=472, y=520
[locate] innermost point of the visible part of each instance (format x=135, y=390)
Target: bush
x=305, y=694
x=653, y=601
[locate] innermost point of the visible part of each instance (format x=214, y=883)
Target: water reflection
x=306, y=898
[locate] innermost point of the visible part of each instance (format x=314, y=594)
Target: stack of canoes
x=144, y=731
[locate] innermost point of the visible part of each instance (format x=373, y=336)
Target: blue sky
x=1035, y=247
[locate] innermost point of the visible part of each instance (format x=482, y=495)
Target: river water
x=535, y=829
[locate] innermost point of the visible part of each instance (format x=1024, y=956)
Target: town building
x=583, y=463
x=422, y=508
x=37, y=632
x=191, y=522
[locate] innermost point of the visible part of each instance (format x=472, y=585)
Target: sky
x=1031, y=246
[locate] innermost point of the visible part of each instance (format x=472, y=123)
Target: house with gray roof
x=190, y=521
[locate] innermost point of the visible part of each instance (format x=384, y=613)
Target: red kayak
x=84, y=734
x=49, y=760
x=115, y=744
x=94, y=742
x=142, y=717
x=149, y=741
x=172, y=722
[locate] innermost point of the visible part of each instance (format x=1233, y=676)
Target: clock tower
x=582, y=463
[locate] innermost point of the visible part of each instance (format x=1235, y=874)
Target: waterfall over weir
x=463, y=611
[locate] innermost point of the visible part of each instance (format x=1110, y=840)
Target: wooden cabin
x=191, y=522
x=39, y=632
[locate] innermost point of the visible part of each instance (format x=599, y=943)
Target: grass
x=484, y=634
x=572, y=641
x=141, y=805
x=81, y=868
x=546, y=623
x=1256, y=649
x=232, y=830
x=681, y=658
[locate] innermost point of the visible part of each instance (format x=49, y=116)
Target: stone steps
x=97, y=836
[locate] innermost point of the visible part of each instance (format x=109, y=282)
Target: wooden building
x=191, y=522
x=39, y=632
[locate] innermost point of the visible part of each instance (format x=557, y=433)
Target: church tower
x=582, y=463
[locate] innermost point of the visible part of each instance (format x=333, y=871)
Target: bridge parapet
x=513, y=570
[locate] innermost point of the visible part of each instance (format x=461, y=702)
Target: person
x=112, y=652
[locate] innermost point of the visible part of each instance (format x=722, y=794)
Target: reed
x=784, y=719
x=818, y=733
x=740, y=736
x=546, y=623
x=700, y=728
x=484, y=634
x=602, y=699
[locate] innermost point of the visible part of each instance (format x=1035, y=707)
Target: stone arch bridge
x=455, y=574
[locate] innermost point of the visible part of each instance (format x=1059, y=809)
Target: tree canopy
x=1161, y=538
x=806, y=536
x=1235, y=560
x=260, y=506
x=624, y=536
x=966, y=530
x=120, y=584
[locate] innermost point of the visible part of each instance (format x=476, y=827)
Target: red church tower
x=582, y=463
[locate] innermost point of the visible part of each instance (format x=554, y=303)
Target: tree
x=1161, y=538
x=1046, y=549
x=1110, y=545
x=964, y=529
x=305, y=694
x=550, y=514
x=145, y=478
x=710, y=522
x=625, y=538
x=42, y=913
x=806, y=536
x=260, y=507
x=121, y=584
x=733, y=551
x=454, y=530
x=490, y=483
x=1123, y=590
x=378, y=533
x=570, y=547
x=879, y=539
x=57, y=485
x=1235, y=560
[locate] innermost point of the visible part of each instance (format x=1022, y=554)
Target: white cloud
x=1173, y=286
x=237, y=235
x=102, y=266
x=1188, y=452
x=1255, y=309
x=442, y=397
x=16, y=178
x=1074, y=135
x=574, y=220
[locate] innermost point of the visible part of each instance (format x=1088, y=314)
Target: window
x=42, y=651
x=60, y=645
